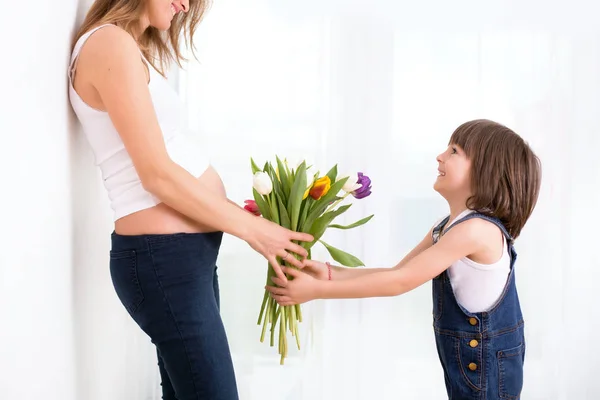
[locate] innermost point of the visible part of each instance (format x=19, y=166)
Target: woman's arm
x=119, y=77
x=463, y=240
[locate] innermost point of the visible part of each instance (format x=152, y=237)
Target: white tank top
x=476, y=286
x=121, y=180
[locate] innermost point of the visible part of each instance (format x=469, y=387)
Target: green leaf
x=262, y=204
x=286, y=182
x=296, y=194
x=354, y=225
x=331, y=195
x=321, y=223
x=321, y=205
x=276, y=182
x=283, y=214
x=342, y=257
x=288, y=169
x=269, y=171
x=332, y=174
x=306, y=204
x=255, y=168
x=274, y=208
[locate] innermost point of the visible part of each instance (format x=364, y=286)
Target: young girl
x=490, y=178
x=170, y=207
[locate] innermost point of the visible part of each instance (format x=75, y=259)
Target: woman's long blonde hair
x=159, y=48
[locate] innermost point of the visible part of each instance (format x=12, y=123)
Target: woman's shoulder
x=108, y=42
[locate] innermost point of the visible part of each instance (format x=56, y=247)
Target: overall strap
x=438, y=228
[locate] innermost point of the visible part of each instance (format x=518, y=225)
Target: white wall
x=36, y=252
x=63, y=334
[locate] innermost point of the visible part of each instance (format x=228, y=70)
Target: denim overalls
x=482, y=354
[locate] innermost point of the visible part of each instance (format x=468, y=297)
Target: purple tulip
x=365, y=189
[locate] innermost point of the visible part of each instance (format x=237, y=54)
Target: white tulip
x=351, y=184
x=262, y=183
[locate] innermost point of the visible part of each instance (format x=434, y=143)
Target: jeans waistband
x=142, y=242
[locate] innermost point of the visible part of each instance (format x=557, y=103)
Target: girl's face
x=454, y=170
x=160, y=13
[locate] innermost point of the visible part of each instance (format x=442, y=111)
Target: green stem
x=262, y=306
x=268, y=197
x=292, y=324
x=273, y=327
x=297, y=337
x=281, y=328
x=274, y=311
x=282, y=337
x=298, y=312
x=265, y=322
x=334, y=205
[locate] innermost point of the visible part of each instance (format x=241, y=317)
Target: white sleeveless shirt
x=477, y=286
x=121, y=180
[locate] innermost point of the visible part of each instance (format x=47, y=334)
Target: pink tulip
x=252, y=207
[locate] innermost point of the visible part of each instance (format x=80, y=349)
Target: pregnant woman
x=170, y=206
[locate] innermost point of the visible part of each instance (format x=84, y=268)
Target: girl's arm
x=343, y=273
x=116, y=72
x=463, y=240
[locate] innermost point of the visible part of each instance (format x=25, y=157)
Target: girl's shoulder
x=472, y=226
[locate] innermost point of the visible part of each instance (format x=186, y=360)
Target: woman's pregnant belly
x=162, y=219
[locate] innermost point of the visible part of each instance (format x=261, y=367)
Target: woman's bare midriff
x=162, y=219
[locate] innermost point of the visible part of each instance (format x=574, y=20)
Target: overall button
x=472, y=366
x=473, y=343
x=473, y=321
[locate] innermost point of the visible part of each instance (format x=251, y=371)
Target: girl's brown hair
x=505, y=172
x=159, y=48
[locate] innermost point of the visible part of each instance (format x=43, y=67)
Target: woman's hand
x=272, y=241
x=301, y=289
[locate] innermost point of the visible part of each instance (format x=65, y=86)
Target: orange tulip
x=320, y=188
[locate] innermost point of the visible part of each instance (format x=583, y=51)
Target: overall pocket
x=469, y=356
x=463, y=366
x=123, y=272
x=510, y=369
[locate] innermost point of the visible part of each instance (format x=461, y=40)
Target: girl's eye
x=454, y=150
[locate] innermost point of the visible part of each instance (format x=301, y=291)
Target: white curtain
x=379, y=91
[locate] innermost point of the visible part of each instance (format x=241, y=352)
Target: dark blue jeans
x=169, y=286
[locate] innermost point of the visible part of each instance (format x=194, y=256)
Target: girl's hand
x=272, y=241
x=316, y=269
x=301, y=289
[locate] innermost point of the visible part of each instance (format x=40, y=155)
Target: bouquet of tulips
x=300, y=199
